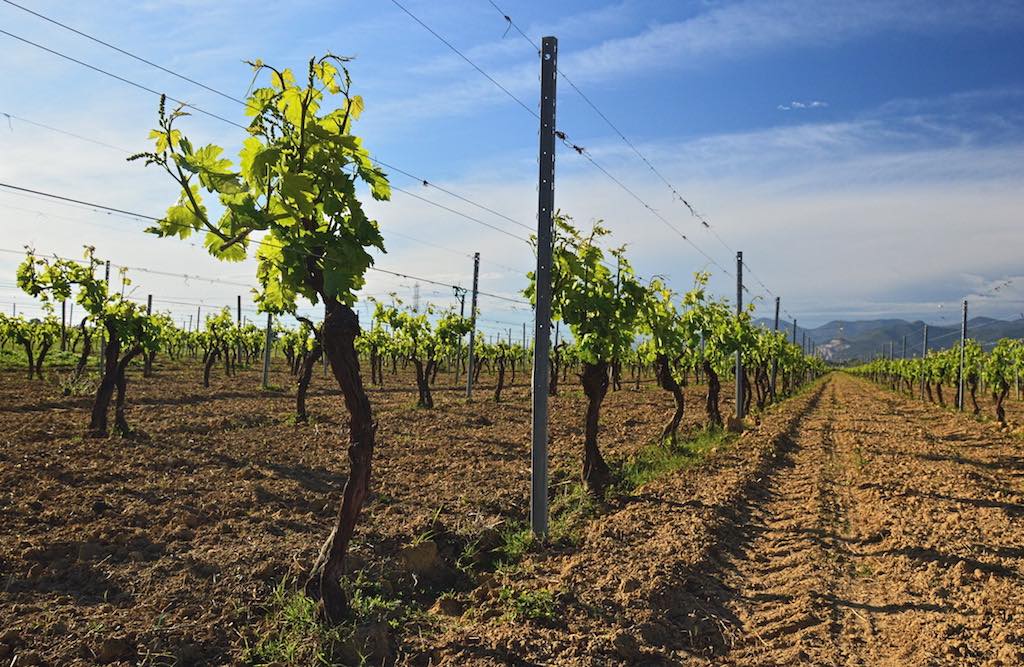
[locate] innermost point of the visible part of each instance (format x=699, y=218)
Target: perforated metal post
x=103, y=332
x=542, y=312
x=963, y=344
x=924, y=354
x=472, y=326
x=739, y=355
x=775, y=358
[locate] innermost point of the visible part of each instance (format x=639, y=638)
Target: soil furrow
x=883, y=537
x=781, y=601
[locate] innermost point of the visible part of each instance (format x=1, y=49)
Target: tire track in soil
x=887, y=534
x=782, y=576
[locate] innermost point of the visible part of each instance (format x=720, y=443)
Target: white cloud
x=723, y=31
x=795, y=104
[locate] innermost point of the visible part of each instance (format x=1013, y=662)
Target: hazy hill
x=849, y=340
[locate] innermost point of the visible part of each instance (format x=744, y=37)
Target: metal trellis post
x=739, y=354
x=775, y=358
x=472, y=326
x=963, y=344
x=924, y=355
x=103, y=333
x=542, y=312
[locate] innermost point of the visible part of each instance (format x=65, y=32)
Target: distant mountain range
x=859, y=340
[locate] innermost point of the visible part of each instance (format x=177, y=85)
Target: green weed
x=657, y=460
x=525, y=605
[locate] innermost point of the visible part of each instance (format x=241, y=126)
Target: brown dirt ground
x=171, y=539
x=854, y=527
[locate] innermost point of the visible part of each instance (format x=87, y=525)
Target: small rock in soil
x=627, y=646
x=89, y=551
x=370, y=644
x=421, y=558
x=115, y=648
x=29, y=658
x=629, y=585
x=449, y=607
x=11, y=637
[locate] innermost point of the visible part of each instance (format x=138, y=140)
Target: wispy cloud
x=797, y=105
x=726, y=31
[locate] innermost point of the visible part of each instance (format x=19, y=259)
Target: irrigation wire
x=264, y=242
x=245, y=103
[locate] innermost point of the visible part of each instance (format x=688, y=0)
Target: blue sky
x=867, y=157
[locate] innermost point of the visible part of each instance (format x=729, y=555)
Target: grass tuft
x=657, y=460
x=527, y=605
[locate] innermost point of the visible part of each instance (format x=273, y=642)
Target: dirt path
x=890, y=533
x=854, y=527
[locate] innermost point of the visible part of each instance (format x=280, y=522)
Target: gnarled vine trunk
x=748, y=393
x=208, y=361
x=121, y=383
x=714, y=388
x=667, y=381
x=555, y=363
x=1000, y=396
x=108, y=383
x=43, y=350
x=501, y=380
x=308, y=364
x=425, y=400
x=340, y=328
x=596, y=474
x=25, y=343
x=973, y=386
x=616, y=375
x=83, y=359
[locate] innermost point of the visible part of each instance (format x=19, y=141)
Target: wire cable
x=276, y=246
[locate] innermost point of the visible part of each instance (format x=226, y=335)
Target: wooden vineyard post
x=472, y=326
x=542, y=310
x=739, y=355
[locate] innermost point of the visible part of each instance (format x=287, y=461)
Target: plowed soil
x=172, y=539
x=851, y=526
x=855, y=527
